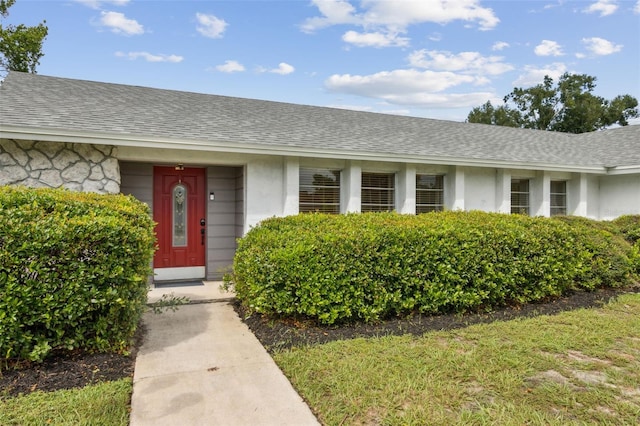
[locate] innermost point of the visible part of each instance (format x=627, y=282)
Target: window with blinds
x=558, y=201
x=378, y=192
x=319, y=190
x=520, y=196
x=429, y=193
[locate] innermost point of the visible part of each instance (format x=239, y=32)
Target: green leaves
x=71, y=264
x=370, y=266
x=569, y=106
x=20, y=46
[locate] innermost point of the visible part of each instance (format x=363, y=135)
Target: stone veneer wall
x=79, y=167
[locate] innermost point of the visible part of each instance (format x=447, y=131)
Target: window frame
x=520, y=208
x=554, y=208
x=438, y=190
x=373, y=192
x=333, y=206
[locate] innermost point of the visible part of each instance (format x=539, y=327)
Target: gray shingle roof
x=55, y=104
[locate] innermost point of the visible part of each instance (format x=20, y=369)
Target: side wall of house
x=137, y=180
x=619, y=195
x=264, y=184
x=222, y=217
x=465, y=188
x=480, y=193
x=79, y=167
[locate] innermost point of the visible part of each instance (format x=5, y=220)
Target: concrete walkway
x=201, y=365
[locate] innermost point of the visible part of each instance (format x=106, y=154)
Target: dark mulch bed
x=277, y=334
x=67, y=370
x=75, y=370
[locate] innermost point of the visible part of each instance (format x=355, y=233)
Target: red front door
x=179, y=211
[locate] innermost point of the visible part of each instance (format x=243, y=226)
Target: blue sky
x=426, y=58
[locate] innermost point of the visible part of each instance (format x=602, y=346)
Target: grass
x=101, y=404
x=578, y=367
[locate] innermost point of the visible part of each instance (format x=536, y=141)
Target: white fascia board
x=623, y=170
x=151, y=142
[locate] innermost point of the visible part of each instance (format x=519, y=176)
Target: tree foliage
x=568, y=106
x=20, y=45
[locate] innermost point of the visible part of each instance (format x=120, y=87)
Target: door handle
x=202, y=222
x=202, y=235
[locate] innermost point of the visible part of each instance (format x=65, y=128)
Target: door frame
x=181, y=273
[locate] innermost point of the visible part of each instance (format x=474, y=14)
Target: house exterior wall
x=240, y=203
x=79, y=167
x=137, y=180
x=480, y=193
x=593, y=196
x=264, y=189
x=619, y=195
x=251, y=188
x=465, y=188
x=221, y=220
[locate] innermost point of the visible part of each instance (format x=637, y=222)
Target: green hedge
x=629, y=225
x=365, y=267
x=73, y=270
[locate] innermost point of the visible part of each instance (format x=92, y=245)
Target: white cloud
x=500, y=45
x=548, y=48
x=150, y=57
x=96, y=4
x=375, y=39
x=230, y=67
x=533, y=75
x=393, y=17
x=283, y=69
x=466, y=62
x=600, y=47
x=403, y=13
x=391, y=83
x=120, y=24
x=603, y=7
x=369, y=108
x=409, y=87
x=210, y=25
x=636, y=9
x=363, y=108
x=334, y=12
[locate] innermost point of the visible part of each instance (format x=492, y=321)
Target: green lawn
x=579, y=367
x=102, y=404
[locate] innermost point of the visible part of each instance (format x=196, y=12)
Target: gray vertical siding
x=239, y=201
x=137, y=180
x=222, y=218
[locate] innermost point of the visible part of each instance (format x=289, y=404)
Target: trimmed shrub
x=73, y=270
x=365, y=267
x=629, y=225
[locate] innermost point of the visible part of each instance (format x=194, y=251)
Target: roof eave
x=623, y=170
x=153, y=142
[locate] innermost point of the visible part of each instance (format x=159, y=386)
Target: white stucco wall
x=272, y=188
x=480, y=193
x=264, y=185
x=619, y=195
x=593, y=196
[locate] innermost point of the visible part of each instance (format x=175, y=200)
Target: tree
x=570, y=107
x=500, y=116
x=20, y=46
